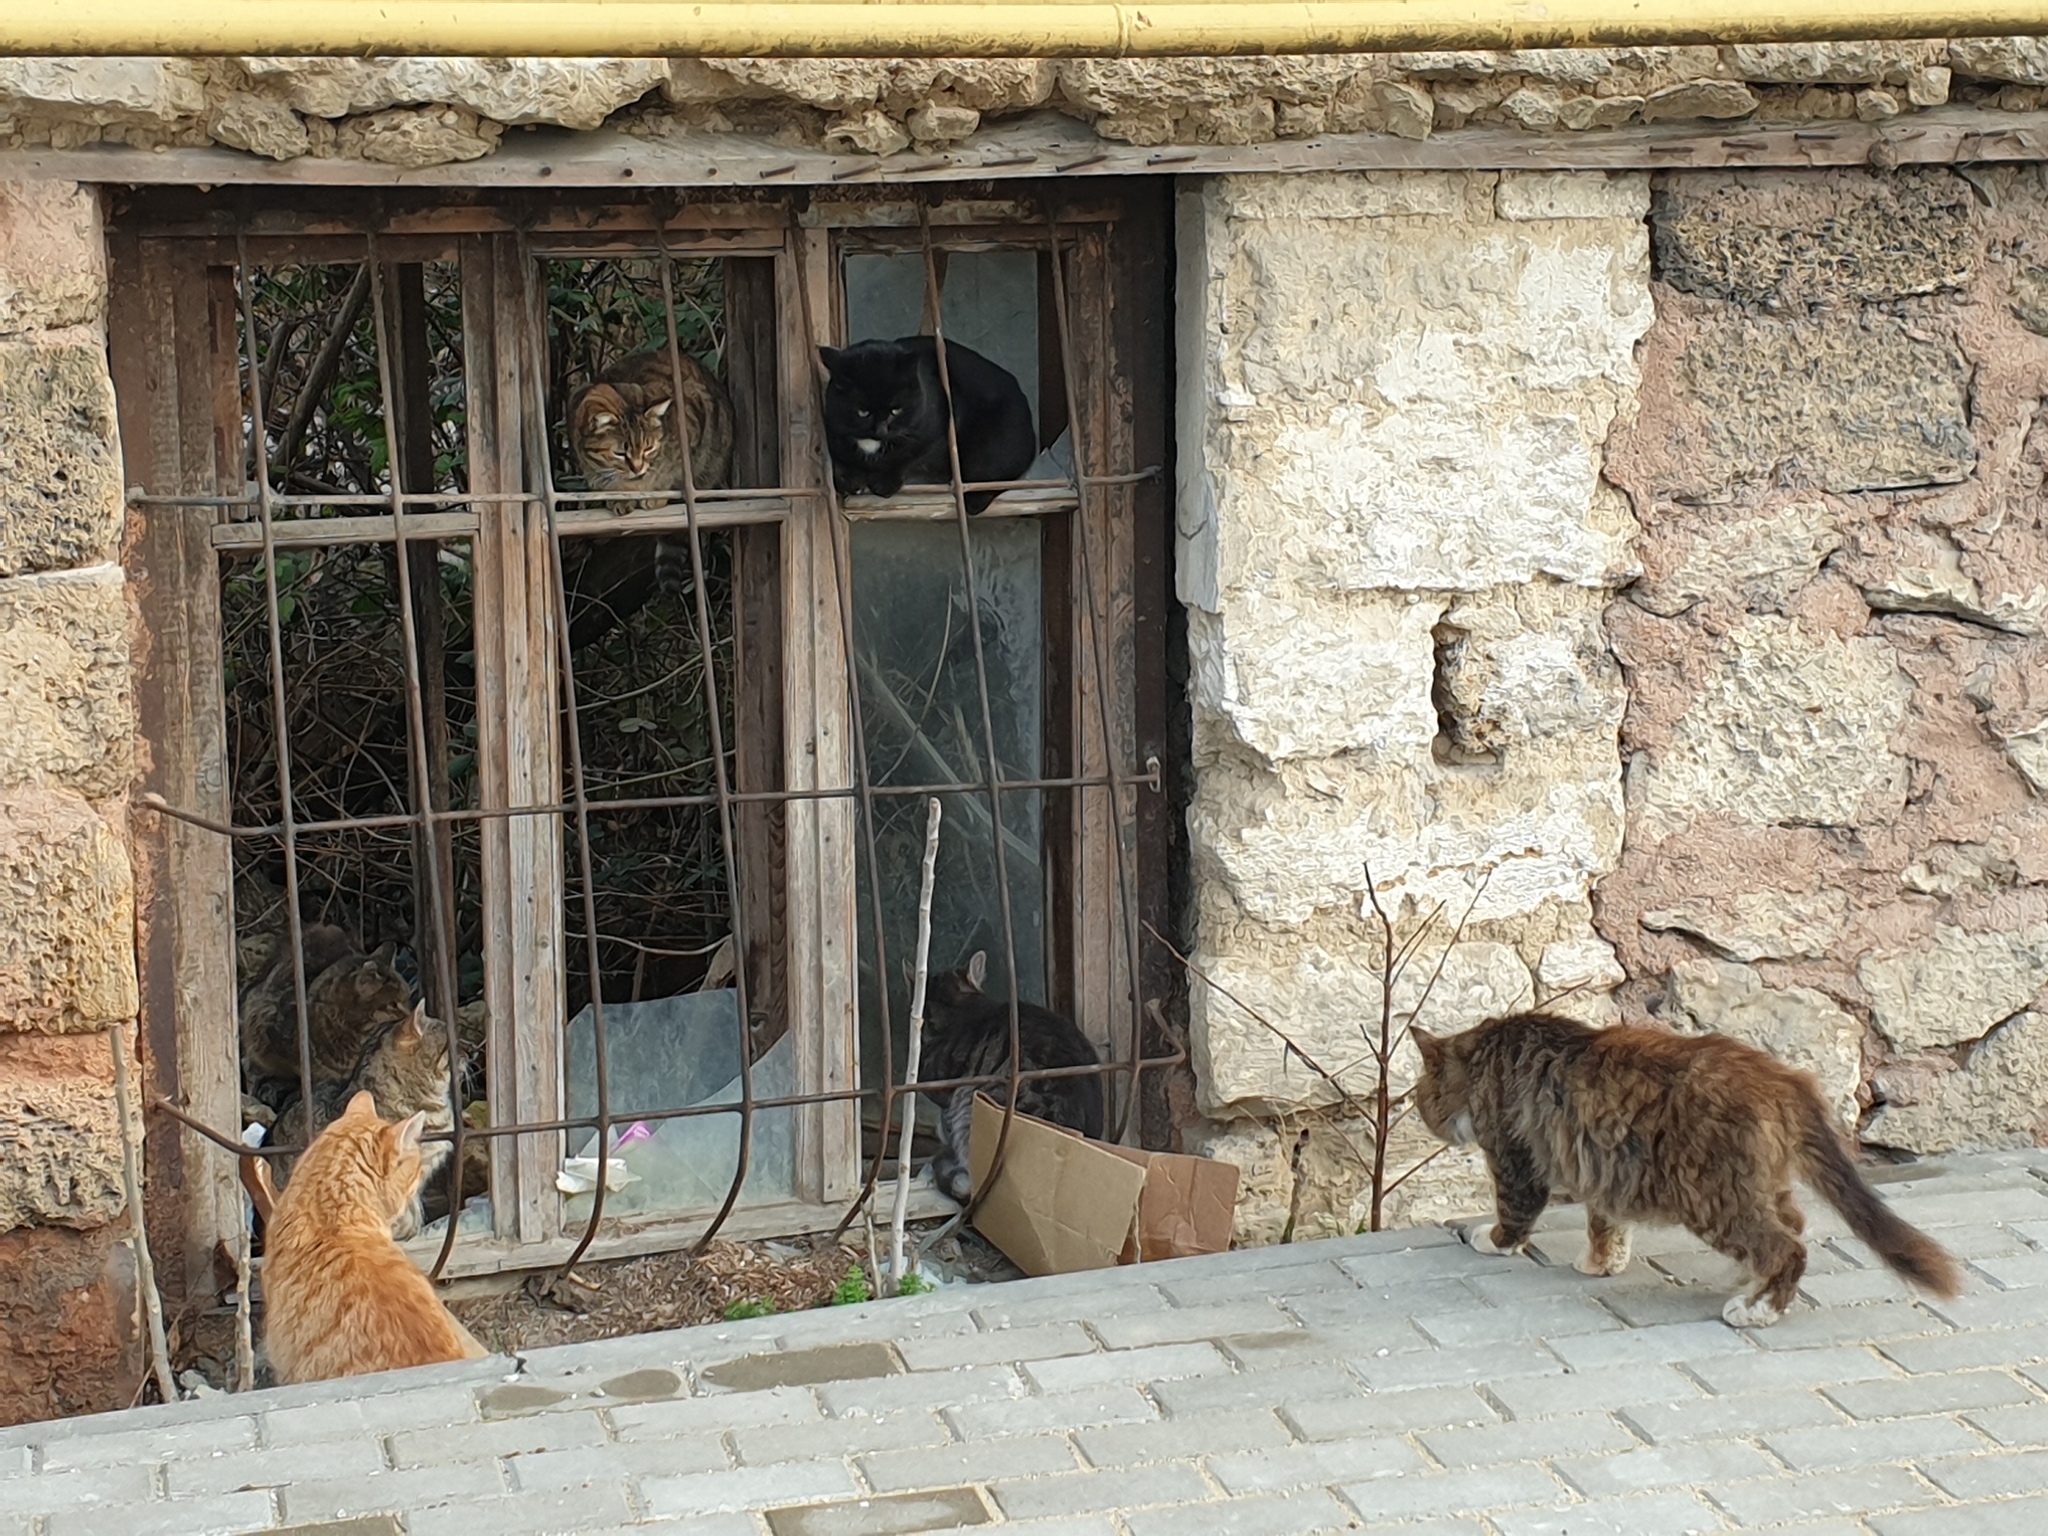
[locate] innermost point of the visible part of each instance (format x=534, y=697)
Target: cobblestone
x=1397, y=1381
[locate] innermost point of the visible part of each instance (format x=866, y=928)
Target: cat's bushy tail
x=1908, y=1250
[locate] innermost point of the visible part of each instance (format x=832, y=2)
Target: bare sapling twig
x=131, y=1190
x=1381, y=1109
x=917, y=984
x=1393, y=962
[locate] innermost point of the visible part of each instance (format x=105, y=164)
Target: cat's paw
x=1612, y=1261
x=1482, y=1241
x=1741, y=1312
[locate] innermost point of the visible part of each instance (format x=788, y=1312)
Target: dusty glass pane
x=921, y=709
x=672, y=1053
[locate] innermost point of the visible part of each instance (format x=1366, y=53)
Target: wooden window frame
x=174, y=327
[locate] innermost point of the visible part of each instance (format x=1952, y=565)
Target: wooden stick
x=245, y=1341
x=131, y=1189
x=924, y=949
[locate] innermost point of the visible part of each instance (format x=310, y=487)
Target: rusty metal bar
x=280, y=736
x=934, y=298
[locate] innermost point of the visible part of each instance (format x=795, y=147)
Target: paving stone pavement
x=1396, y=1381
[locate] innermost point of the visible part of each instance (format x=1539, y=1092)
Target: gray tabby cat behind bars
x=967, y=1034
x=405, y=1069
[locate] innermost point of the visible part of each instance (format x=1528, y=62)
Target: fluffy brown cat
x=349, y=996
x=340, y=1299
x=405, y=1072
x=1642, y=1125
x=624, y=439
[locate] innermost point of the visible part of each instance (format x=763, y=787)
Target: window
x=404, y=672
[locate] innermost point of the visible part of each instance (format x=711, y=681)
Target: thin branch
x=321, y=374
x=917, y=985
x=131, y=1190
x=1439, y=1152
x=1258, y=1018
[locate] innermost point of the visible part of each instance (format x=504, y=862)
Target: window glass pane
x=921, y=709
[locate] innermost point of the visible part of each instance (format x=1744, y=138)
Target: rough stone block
x=53, y=266
x=1789, y=238
x=67, y=101
x=61, y=501
x=84, y=1355
x=574, y=93
x=2023, y=60
x=1835, y=401
x=1958, y=989
x=60, y=1143
x=67, y=922
x=65, y=688
x=1759, y=556
x=1998, y=1099
x=1785, y=727
x=1572, y=195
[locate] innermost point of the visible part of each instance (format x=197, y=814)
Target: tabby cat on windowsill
x=885, y=418
x=340, y=1297
x=967, y=1034
x=622, y=430
x=1643, y=1125
x=349, y=997
x=404, y=1069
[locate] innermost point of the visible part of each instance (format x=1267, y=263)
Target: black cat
x=967, y=1034
x=885, y=418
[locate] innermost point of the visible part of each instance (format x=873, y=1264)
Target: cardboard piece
x=1065, y=1203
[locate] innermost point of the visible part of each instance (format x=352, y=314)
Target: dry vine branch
x=1378, y=1107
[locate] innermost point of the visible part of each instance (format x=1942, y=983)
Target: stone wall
x=1837, y=734
x=67, y=953
x=420, y=112
x=1715, y=644
x=1396, y=550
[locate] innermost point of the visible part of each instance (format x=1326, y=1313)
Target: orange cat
x=340, y=1298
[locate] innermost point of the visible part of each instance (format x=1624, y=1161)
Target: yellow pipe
x=908, y=28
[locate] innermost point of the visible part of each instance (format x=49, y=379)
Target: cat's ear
x=830, y=356
x=1432, y=1048
x=659, y=409
x=386, y=952
x=362, y=1104
x=977, y=968
x=600, y=421
x=415, y=1026
x=409, y=1132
